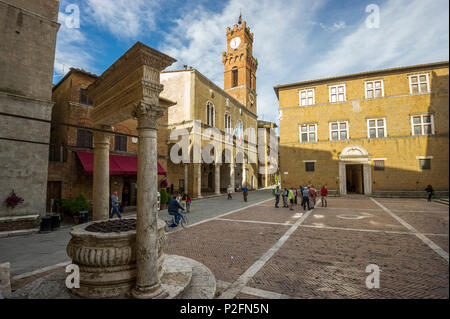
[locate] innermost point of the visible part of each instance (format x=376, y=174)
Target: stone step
x=183, y=278
x=442, y=201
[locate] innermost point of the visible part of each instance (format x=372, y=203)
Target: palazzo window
x=376, y=128
x=307, y=97
x=84, y=138
x=374, y=89
x=378, y=165
x=228, y=123
x=84, y=99
x=422, y=124
x=419, y=83
x=120, y=143
x=338, y=131
x=308, y=133
x=337, y=93
x=425, y=163
x=309, y=166
x=210, y=114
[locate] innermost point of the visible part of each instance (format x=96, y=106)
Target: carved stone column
x=342, y=179
x=217, y=179
x=232, y=181
x=186, y=177
x=101, y=175
x=148, y=283
x=199, y=180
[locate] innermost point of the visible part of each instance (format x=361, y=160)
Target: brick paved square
x=441, y=241
x=227, y=248
x=353, y=218
x=268, y=213
x=435, y=223
x=319, y=263
x=411, y=204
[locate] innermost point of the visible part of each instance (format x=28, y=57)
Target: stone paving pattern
x=327, y=263
x=325, y=257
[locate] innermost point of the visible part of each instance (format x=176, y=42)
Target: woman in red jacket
x=323, y=195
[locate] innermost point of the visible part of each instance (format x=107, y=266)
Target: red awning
x=118, y=164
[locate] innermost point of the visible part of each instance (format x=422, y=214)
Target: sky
x=294, y=40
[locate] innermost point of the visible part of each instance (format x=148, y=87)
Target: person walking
x=229, y=192
x=305, y=198
x=312, y=196
x=291, y=199
x=183, y=201
x=115, y=206
x=188, y=203
x=430, y=192
x=285, y=198
x=323, y=195
x=245, y=192
x=277, y=196
x=295, y=195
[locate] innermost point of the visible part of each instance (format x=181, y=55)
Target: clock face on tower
x=235, y=42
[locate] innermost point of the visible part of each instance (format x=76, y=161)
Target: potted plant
x=13, y=200
x=80, y=206
x=73, y=207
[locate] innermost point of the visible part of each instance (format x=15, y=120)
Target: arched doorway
x=354, y=171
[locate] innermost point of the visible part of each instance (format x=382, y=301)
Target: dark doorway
x=53, y=192
x=355, y=178
x=210, y=181
x=126, y=194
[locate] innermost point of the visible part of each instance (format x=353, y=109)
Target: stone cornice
x=138, y=55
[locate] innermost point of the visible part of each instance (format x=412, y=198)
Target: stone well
x=105, y=253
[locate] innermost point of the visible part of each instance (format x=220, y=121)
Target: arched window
x=210, y=114
x=228, y=123
x=234, y=73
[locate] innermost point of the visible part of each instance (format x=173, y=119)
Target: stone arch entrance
x=354, y=160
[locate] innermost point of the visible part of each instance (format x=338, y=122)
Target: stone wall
x=27, y=53
x=399, y=149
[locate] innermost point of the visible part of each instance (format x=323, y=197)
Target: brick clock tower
x=240, y=65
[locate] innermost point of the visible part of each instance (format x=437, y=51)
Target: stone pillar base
x=155, y=292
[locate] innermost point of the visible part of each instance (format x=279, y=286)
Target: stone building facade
x=27, y=52
x=72, y=137
x=230, y=110
x=268, y=169
x=379, y=133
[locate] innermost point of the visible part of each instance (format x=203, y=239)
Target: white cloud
x=411, y=32
x=291, y=48
x=280, y=32
x=336, y=26
x=70, y=50
x=122, y=18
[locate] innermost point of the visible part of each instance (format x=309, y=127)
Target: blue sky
x=295, y=40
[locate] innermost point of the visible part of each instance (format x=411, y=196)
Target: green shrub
x=164, y=197
x=75, y=206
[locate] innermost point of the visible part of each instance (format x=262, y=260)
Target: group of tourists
x=306, y=195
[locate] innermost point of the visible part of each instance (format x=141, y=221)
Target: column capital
x=147, y=114
x=101, y=139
